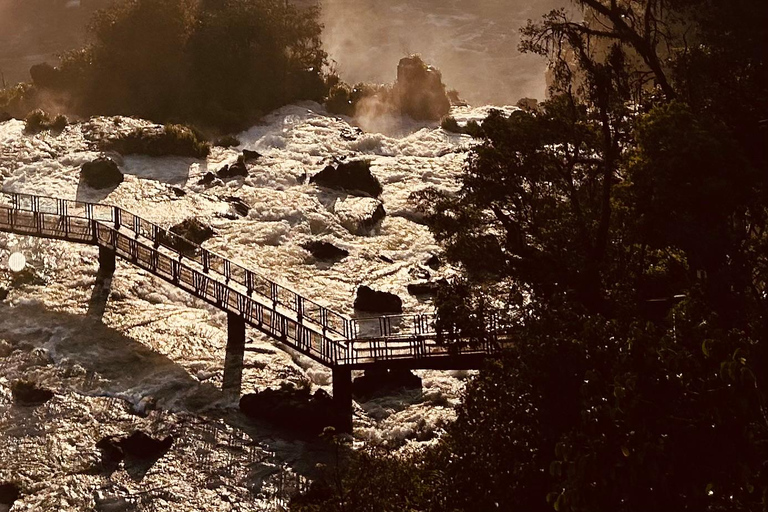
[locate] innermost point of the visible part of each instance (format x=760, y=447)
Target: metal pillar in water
x=342, y=397
x=233, y=360
x=103, y=285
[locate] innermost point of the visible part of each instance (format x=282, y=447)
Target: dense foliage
x=215, y=63
x=619, y=232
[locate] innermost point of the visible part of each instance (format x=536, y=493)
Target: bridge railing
x=306, y=309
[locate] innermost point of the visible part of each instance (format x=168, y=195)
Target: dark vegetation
x=38, y=121
x=171, y=139
x=618, y=233
x=216, y=64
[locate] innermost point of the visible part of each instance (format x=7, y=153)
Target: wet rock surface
x=29, y=394
x=294, y=409
x=325, y=251
x=354, y=177
x=184, y=235
x=420, y=91
x=101, y=173
x=9, y=493
x=425, y=287
x=374, y=301
x=382, y=381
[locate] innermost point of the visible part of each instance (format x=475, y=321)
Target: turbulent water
x=158, y=345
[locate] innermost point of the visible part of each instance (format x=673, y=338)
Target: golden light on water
x=16, y=262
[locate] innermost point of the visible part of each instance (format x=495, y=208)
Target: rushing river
x=159, y=350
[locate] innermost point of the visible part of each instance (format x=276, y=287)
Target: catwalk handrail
x=357, y=341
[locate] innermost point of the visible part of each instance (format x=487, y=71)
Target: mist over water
x=473, y=43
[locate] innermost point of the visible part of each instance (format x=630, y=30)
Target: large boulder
x=233, y=171
x=354, y=177
x=419, y=90
x=292, y=408
x=101, y=173
x=374, y=301
x=137, y=450
x=185, y=235
x=383, y=381
x=27, y=393
x=425, y=287
x=9, y=493
x=325, y=250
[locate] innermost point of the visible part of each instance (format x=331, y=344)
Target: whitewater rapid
x=160, y=346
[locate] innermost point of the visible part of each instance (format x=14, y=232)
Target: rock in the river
x=5, y=116
x=360, y=215
x=325, y=250
x=354, y=177
x=291, y=408
x=3, y=293
x=381, y=381
x=239, y=206
x=433, y=262
x=420, y=91
x=101, y=173
x=9, y=493
x=249, y=155
x=207, y=179
x=425, y=287
x=375, y=301
x=144, y=447
x=27, y=393
x=183, y=235
x=232, y=171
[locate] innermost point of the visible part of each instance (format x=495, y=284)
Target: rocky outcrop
x=101, y=173
x=325, y=251
x=382, y=381
x=291, y=408
x=373, y=301
x=360, y=215
x=433, y=262
x=9, y=493
x=419, y=90
x=27, y=393
x=138, y=449
x=239, y=206
x=250, y=155
x=207, y=179
x=425, y=287
x=354, y=177
x=233, y=171
x=185, y=235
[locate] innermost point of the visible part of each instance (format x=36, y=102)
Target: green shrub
x=173, y=139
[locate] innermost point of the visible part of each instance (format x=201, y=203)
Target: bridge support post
x=233, y=360
x=103, y=285
x=342, y=397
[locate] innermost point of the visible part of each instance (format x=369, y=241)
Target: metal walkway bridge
x=248, y=298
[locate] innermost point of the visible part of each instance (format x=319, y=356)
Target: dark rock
x=5, y=116
x=240, y=207
x=178, y=191
x=419, y=90
x=228, y=141
x=455, y=99
x=325, y=250
x=207, y=178
x=143, y=447
x=386, y=259
x=354, y=177
x=101, y=173
x=27, y=393
x=232, y=171
x=382, y=381
x=351, y=133
x=185, y=235
x=369, y=223
x=291, y=408
x=433, y=262
x=111, y=453
x=9, y=493
x=3, y=293
x=419, y=273
x=425, y=287
x=249, y=155
x=375, y=301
